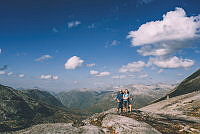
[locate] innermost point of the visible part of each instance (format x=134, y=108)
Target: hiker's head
x=120, y=91
x=126, y=91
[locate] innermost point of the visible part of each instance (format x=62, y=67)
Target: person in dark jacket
x=119, y=99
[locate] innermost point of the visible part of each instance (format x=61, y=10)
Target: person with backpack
x=119, y=99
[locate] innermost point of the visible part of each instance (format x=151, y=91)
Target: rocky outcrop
x=61, y=128
x=179, y=114
x=185, y=106
x=104, y=123
x=125, y=125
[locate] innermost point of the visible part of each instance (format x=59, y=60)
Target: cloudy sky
x=66, y=44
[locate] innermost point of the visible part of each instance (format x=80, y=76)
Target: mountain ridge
x=18, y=110
x=188, y=85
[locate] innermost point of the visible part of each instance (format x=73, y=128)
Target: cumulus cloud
x=9, y=73
x=172, y=62
x=21, y=75
x=73, y=24
x=91, y=65
x=49, y=77
x=43, y=57
x=166, y=36
x=93, y=72
x=133, y=67
x=73, y=62
x=99, y=74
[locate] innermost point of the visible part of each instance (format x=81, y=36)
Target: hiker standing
x=126, y=100
x=119, y=99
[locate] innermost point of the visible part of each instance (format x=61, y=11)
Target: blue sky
x=66, y=44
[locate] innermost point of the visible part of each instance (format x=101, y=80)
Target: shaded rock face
x=188, y=85
x=87, y=101
x=18, y=111
x=42, y=96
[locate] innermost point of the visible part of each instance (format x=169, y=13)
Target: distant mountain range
x=97, y=101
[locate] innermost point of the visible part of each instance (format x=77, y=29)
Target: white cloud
x=21, y=75
x=9, y=73
x=101, y=74
x=91, y=65
x=93, y=72
x=172, y=62
x=43, y=57
x=73, y=62
x=119, y=76
x=2, y=72
x=166, y=36
x=132, y=67
x=55, y=77
x=49, y=77
x=73, y=24
x=144, y=76
x=45, y=76
x=114, y=43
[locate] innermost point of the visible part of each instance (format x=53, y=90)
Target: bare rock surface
x=186, y=107
x=104, y=123
x=61, y=128
x=125, y=125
